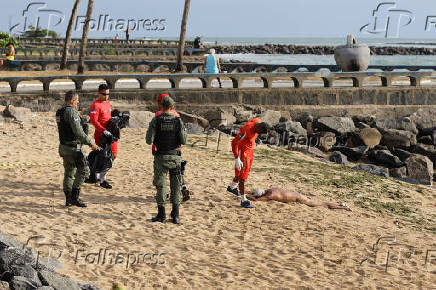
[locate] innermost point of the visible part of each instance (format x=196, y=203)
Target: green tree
x=5, y=38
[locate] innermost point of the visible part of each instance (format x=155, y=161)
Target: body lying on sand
x=286, y=196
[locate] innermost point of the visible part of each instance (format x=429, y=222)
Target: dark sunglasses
x=104, y=94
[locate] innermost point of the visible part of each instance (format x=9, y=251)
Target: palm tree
x=68, y=35
x=82, y=53
x=181, y=50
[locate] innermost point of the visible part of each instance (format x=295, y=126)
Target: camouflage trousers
x=76, y=167
x=164, y=164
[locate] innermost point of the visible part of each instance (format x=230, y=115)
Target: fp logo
x=37, y=15
x=388, y=20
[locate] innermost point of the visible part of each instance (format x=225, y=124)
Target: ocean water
x=309, y=59
x=320, y=41
x=326, y=59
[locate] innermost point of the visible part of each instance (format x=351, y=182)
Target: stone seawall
x=383, y=101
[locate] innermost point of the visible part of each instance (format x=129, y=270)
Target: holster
x=80, y=159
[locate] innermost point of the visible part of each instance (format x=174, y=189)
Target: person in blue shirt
x=212, y=64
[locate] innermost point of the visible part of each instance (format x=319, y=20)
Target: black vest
x=66, y=134
x=167, y=139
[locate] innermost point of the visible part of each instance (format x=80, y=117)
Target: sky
x=235, y=18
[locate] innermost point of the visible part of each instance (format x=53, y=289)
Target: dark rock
x=424, y=118
x=339, y=158
x=426, y=150
x=385, y=157
x=427, y=140
x=373, y=169
x=361, y=125
x=26, y=271
x=292, y=127
x=7, y=241
x=273, y=138
x=381, y=147
x=242, y=115
x=326, y=140
x=306, y=118
x=52, y=279
x=338, y=125
x=405, y=124
x=368, y=120
x=219, y=117
x=402, y=154
x=18, y=113
x=306, y=149
x=353, y=154
x=398, y=138
x=21, y=283
x=271, y=117
x=11, y=257
x=400, y=172
x=420, y=168
x=89, y=287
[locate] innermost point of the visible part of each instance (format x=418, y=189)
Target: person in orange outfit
x=242, y=148
x=100, y=113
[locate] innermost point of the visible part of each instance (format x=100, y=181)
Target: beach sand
x=218, y=245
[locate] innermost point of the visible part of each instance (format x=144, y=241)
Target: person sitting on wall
x=10, y=54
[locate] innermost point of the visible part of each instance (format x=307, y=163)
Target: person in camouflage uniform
x=167, y=133
x=73, y=133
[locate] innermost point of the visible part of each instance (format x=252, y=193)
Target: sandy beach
x=218, y=245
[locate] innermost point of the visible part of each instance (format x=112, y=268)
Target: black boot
x=160, y=214
x=75, y=200
x=175, y=214
x=67, y=198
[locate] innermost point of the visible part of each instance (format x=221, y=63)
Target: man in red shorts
x=242, y=147
x=100, y=112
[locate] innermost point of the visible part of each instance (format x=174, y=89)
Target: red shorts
x=114, y=145
x=247, y=160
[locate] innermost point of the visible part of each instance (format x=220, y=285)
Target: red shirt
x=174, y=112
x=246, y=139
x=100, y=112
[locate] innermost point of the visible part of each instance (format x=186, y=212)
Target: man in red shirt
x=100, y=112
x=242, y=147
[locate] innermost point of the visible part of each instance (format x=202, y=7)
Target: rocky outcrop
x=373, y=169
x=370, y=137
x=17, y=113
x=20, y=270
x=398, y=138
x=271, y=117
x=140, y=119
x=339, y=158
x=420, y=168
x=338, y=125
x=385, y=157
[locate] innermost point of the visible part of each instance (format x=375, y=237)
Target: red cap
x=161, y=96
